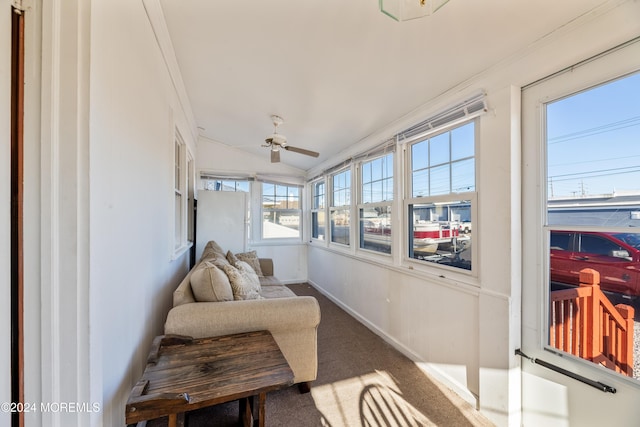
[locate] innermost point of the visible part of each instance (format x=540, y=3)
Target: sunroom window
x=221, y=184
x=374, y=209
x=178, y=191
x=442, y=197
x=340, y=211
x=318, y=214
x=592, y=219
x=281, y=211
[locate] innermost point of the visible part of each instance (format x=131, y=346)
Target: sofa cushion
x=270, y=281
x=209, y=283
x=266, y=265
x=251, y=258
x=244, y=284
x=279, y=291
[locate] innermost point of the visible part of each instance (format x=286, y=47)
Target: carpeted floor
x=362, y=381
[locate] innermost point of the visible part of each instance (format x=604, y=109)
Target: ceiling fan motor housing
x=278, y=139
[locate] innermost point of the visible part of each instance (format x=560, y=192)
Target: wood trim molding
x=66, y=371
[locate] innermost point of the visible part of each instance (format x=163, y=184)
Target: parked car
x=616, y=256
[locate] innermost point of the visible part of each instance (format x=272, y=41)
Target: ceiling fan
x=276, y=141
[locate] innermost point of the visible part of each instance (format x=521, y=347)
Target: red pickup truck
x=616, y=256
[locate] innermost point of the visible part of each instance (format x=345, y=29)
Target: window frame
x=580, y=230
x=191, y=195
x=177, y=192
x=221, y=180
x=388, y=204
x=598, y=70
x=410, y=200
x=182, y=191
x=317, y=209
x=299, y=212
x=348, y=207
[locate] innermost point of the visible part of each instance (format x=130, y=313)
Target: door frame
x=564, y=398
x=17, y=217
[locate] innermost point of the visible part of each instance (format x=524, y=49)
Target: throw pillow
x=212, y=245
x=207, y=255
x=250, y=273
x=251, y=258
x=242, y=284
x=219, y=260
x=209, y=283
x=232, y=259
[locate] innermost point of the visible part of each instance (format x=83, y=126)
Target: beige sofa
x=292, y=320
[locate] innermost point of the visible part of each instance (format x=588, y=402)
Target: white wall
x=289, y=261
x=466, y=331
x=5, y=200
x=134, y=110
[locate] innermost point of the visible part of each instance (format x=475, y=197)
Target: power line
x=597, y=171
x=595, y=161
x=622, y=124
x=585, y=174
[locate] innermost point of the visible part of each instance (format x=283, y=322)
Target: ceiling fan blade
x=275, y=156
x=301, y=151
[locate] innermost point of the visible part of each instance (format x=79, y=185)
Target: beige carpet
x=362, y=381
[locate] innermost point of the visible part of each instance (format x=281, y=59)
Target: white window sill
x=277, y=242
x=178, y=252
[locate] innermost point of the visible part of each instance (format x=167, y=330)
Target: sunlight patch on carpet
x=368, y=400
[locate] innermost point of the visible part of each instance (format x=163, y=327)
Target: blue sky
x=593, y=140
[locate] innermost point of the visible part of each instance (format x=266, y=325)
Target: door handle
x=582, y=258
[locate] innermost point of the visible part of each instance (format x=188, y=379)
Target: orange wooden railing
x=583, y=322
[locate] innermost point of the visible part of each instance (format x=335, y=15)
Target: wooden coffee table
x=184, y=374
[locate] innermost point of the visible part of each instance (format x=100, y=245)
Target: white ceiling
x=337, y=70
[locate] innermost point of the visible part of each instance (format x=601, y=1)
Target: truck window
x=597, y=245
x=560, y=241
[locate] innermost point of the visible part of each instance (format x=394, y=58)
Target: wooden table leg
x=176, y=420
x=246, y=415
x=249, y=418
x=262, y=400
